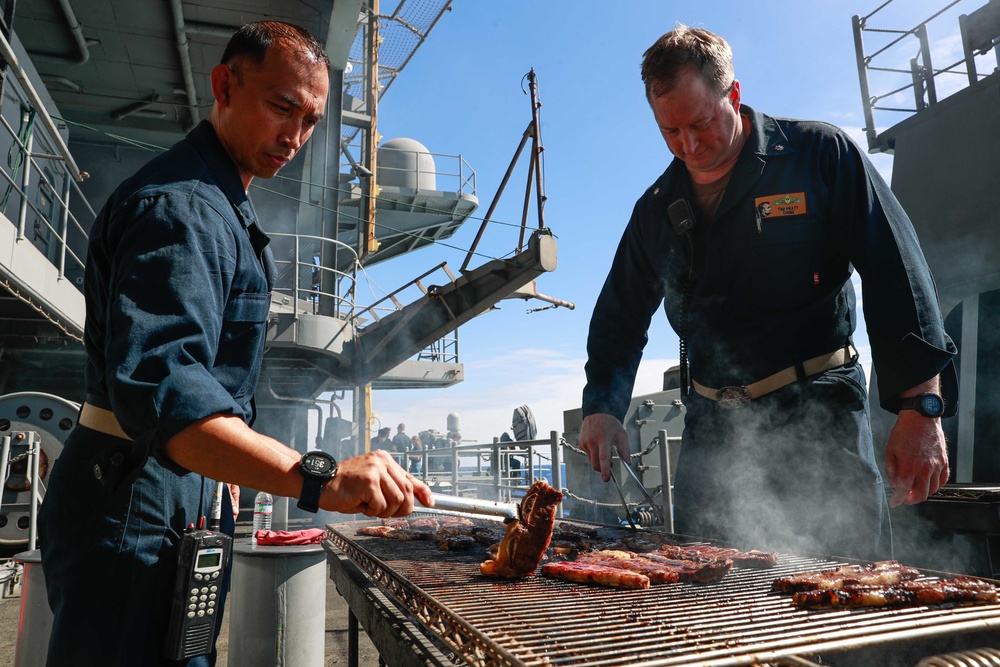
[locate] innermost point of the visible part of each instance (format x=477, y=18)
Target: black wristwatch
x=317, y=468
x=929, y=405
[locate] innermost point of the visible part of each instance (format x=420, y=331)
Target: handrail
x=920, y=73
x=8, y=54
x=311, y=292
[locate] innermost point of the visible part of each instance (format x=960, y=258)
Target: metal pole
x=495, y=464
x=454, y=470
x=668, y=490
x=34, y=451
x=22, y=211
x=4, y=462
x=64, y=227
x=496, y=198
x=556, y=467
x=537, y=146
x=925, y=58
x=866, y=96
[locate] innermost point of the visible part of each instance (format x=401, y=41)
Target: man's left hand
x=916, y=458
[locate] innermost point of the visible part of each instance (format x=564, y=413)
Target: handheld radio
x=201, y=562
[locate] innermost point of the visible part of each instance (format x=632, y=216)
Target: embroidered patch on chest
x=779, y=206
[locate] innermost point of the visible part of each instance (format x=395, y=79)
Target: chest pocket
x=241, y=345
x=787, y=263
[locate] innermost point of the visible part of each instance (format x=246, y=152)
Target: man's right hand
x=373, y=484
x=598, y=435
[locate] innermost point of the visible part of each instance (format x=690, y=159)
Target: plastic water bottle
x=263, y=505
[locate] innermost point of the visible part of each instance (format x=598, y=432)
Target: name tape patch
x=775, y=206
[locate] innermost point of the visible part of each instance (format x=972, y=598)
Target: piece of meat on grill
x=880, y=573
x=701, y=571
x=957, y=590
x=753, y=558
x=527, y=537
x=454, y=542
x=624, y=560
x=591, y=573
x=429, y=524
x=377, y=531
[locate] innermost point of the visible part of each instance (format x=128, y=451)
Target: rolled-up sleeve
x=175, y=262
x=902, y=314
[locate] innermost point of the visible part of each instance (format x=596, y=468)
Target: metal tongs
x=621, y=494
x=508, y=511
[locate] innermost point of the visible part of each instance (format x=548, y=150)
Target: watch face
x=318, y=465
x=932, y=404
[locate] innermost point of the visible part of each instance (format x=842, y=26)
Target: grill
x=737, y=621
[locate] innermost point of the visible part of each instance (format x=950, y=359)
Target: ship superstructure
x=92, y=89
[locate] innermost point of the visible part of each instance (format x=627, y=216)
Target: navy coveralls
x=177, y=287
x=763, y=288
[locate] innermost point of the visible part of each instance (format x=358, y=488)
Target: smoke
x=793, y=471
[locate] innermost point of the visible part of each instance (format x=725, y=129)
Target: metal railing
x=308, y=277
x=979, y=32
x=438, y=172
x=501, y=470
x=38, y=181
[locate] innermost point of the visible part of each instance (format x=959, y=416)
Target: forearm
x=930, y=386
x=223, y=447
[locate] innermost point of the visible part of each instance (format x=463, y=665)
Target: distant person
x=416, y=454
x=178, y=282
x=777, y=448
x=401, y=441
x=382, y=440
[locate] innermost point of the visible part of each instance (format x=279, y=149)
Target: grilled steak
x=451, y=542
x=885, y=572
x=960, y=589
x=591, y=573
x=624, y=560
x=753, y=558
x=527, y=538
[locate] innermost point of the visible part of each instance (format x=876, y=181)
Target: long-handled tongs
x=507, y=511
x=638, y=482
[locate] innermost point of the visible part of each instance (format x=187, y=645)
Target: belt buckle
x=732, y=397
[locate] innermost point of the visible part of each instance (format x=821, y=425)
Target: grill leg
x=353, y=654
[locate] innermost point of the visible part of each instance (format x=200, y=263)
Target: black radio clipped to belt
x=202, y=558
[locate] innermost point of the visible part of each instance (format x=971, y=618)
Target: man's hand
x=234, y=498
x=598, y=435
x=916, y=458
x=373, y=484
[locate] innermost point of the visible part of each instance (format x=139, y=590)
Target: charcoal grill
x=439, y=599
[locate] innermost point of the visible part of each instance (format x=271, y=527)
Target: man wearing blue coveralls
x=177, y=285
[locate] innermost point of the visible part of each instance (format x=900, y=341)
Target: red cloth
x=282, y=538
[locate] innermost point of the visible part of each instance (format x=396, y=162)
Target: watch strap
x=311, y=489
x=917, y=403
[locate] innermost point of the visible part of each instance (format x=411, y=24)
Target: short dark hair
x=251, y=42
x=685, y=47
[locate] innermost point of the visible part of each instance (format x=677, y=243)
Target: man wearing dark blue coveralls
x=177, y=285
x=750, y=238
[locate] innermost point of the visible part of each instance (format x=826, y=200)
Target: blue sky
x=462, y=93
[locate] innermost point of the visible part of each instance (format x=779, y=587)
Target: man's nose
x=689, y=142
x=293, y=135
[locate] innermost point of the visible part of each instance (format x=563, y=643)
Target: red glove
x=283, y=538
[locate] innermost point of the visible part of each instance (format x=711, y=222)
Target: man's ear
x=734, y=94
x=223, y=80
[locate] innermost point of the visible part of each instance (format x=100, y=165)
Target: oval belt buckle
x=732, y=397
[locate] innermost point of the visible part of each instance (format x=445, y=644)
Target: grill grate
x=540, y=621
